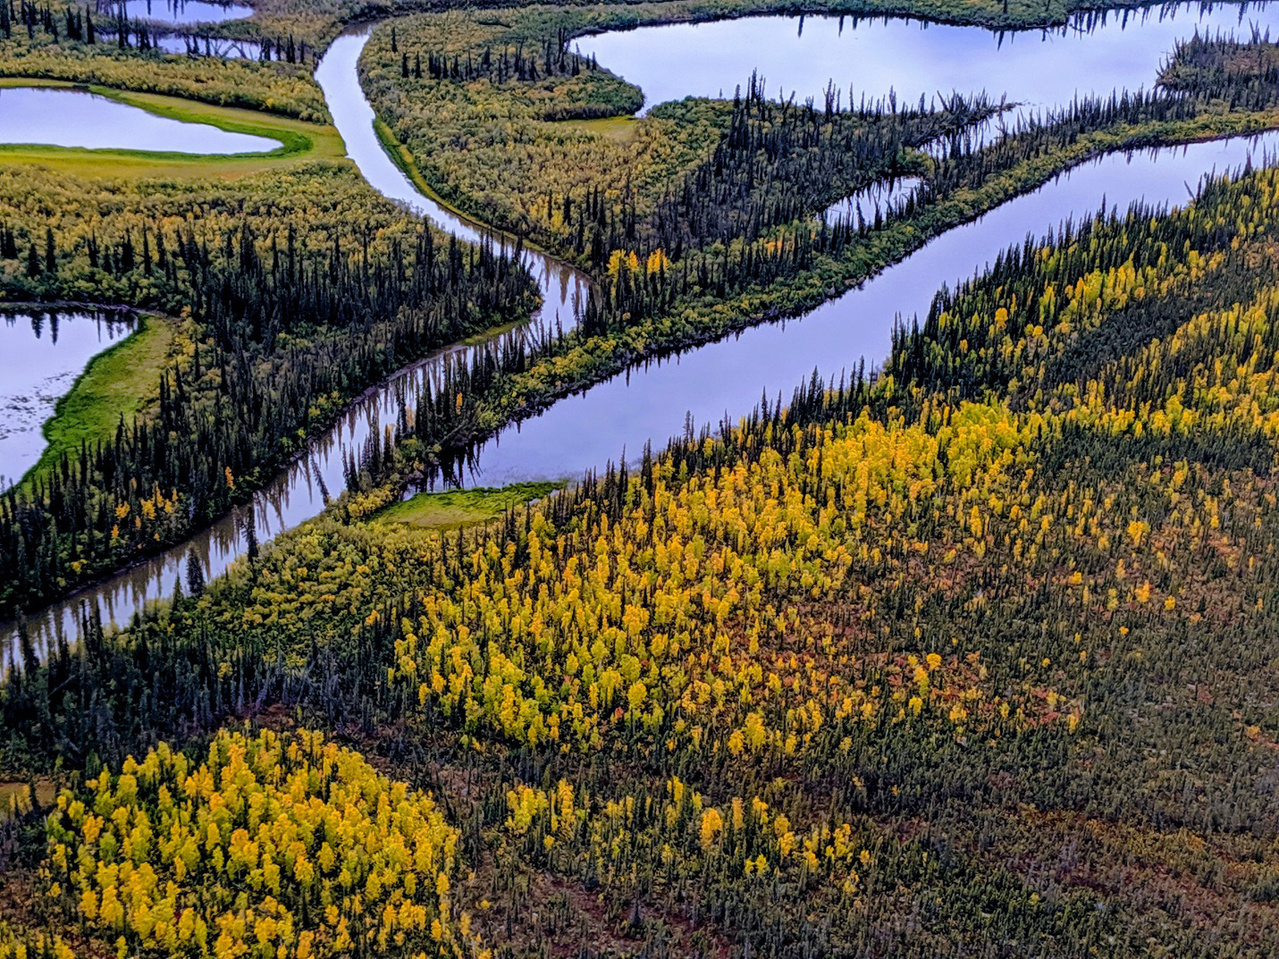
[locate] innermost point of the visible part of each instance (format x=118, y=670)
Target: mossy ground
x=458, y=508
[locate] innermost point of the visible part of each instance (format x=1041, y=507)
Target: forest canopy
x=968, y=654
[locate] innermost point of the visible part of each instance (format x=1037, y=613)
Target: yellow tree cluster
x=681, y=835
x=273, y=846
x=29, y=945
x=688, y=617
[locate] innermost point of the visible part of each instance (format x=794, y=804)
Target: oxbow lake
x=76, y=118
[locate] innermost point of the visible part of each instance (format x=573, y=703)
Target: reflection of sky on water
x=910, y=57
x=75, y=118
x=177, y=11
x=210, y=47
x=40, y=357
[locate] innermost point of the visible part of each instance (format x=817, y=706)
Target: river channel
x=650, y=403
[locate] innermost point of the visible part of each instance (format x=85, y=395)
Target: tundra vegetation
x=974, y=656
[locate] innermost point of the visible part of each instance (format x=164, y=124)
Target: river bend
x=648, y=403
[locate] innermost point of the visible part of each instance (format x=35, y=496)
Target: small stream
x=651, y=403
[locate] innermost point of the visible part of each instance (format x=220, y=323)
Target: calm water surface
x=41, y=354
x=912, y=57
x=176, y=11
x=210, y=46
x=75, y=118
x=651, y=403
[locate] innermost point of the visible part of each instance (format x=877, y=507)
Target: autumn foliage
x=269, y=846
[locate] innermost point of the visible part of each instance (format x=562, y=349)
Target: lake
x=76, y=118
x=41, y=354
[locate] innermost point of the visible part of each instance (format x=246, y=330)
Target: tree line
x=77, y=24
x=289, y=338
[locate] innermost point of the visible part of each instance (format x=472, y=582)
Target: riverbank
x=118, y=384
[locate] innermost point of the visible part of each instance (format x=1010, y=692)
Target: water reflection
x=561, y=286
x=877, y=202
x=41, y=354
x=301, y=491
x=725, y=379
x=196, y=46
x=873, y=59
x=76, y=118
x=175, y=11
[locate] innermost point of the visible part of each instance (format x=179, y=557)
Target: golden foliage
x=273, y=846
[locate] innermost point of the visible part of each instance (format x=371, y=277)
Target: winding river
x=651, y=402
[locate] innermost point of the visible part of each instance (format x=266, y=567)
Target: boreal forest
x=680, y=479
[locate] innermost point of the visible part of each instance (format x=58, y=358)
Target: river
x=651, y=402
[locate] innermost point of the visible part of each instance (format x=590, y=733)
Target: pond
x=41, y=354
x=875, y=57
x=176, y=11
x=76, y=118
x=197, y=46
x=883, y=199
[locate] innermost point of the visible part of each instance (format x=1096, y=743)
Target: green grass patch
x=120, y=381
x=299, y=140
x=621, y=130
x=457, y=508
